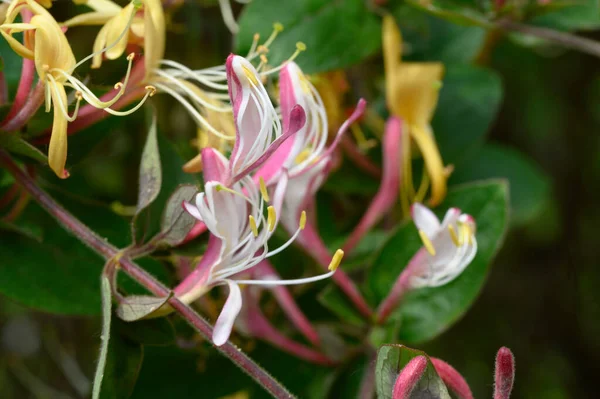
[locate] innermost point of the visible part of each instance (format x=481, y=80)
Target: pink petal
x=214, y=165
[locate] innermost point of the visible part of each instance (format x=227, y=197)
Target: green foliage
x=425, y=313
x=529, y=186
x=325, y=27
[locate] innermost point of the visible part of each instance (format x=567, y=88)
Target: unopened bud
x=452, y=379
x=409, y=377
x=505, y=373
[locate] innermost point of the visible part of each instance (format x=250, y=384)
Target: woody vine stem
x=108, y=251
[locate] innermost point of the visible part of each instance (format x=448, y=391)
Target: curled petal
x=425, y=219
x=214, y=165
x=57, y=152
x=230, y=311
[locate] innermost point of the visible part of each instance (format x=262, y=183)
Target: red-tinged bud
x=452, y=378
x=505, y=373
x=409, y=377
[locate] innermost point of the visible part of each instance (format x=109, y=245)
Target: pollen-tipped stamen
x=427, y=243
x=454, y=236
x=336, y=260
x=271, y=218
x=263, y=189
x=253, y=227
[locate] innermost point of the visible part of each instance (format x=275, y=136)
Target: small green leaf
x=469, y=100
x=176, y=222
x=150, y=170
x=139, y=306
x=571, y=15
x=336, y=302
x=336, y=34
x=16, y=145
x=529, y=185
x=391, y=359
x=425, y=313
x=105, y=337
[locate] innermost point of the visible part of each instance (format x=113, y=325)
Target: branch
x=108, y=251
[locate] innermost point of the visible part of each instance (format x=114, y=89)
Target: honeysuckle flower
x=412, y=90
x=238, y=241
x=45, y=43
x=448, y=248
x=451, y=245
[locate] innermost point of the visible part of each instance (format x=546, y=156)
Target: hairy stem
x=108, y=251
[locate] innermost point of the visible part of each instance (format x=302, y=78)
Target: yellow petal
x=90, y=18
x=392, y=53
x=52, y=50
x=17, y=46
x=106, y=6
x=117, y=26
x=154, y=34
x=423, y=136
x=194, y=165
x=57, y=152
x=416, y=91
x=99, y=44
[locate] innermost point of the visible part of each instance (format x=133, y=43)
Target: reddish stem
x=106, y=250
x=359, y=159
x=27, y=110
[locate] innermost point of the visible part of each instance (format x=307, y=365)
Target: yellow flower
x=412, y=90
x=55, y=62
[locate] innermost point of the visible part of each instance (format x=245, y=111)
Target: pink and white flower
x=450, y=245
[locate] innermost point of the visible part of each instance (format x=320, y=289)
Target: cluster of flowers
x=277, y=145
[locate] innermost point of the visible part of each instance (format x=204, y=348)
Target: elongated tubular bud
x=505, y=373
x=452, y=378
x=409, y=377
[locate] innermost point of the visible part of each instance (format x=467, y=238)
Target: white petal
x=425, y=219
x=192, y=210
x=230, y=310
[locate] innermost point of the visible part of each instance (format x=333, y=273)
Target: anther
x=118, y=86
x=300, y=46
x=131, y=56
x=302, y=220
x=277, y=27
x=336, y=260
x=263, y=189
x=453, y=235
x=253, y=227
x=151, y=90
x=271, y=218
x=78, y=95
x=427, y=243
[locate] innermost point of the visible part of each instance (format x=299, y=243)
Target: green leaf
x=337, y=34
x=123, y=366
x=469, y=100
x=176, y=222
x=427, y=312
x=105, y=337
x=429, y=38
x=452, y=10
x=529, y=185
x=391, y=359
x=333, y=299
x=136, y=307
x=571, y=15
x=150, y=170
x=16, y=145
x=155, y=332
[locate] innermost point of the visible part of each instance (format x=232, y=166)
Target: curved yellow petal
x=52, y=50
x=106, y=6
x=57, y=152
x=17, y=46
x=90, y=18
x=416, y=91
x=423, y=136
x=154, y=34
x=116, y=27
x=392, y=54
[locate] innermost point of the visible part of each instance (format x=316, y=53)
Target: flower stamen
x=252, y=222
x=427, y=243
x=263, y=189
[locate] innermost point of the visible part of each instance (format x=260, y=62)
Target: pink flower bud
x=409, y=377
x=505, y=373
